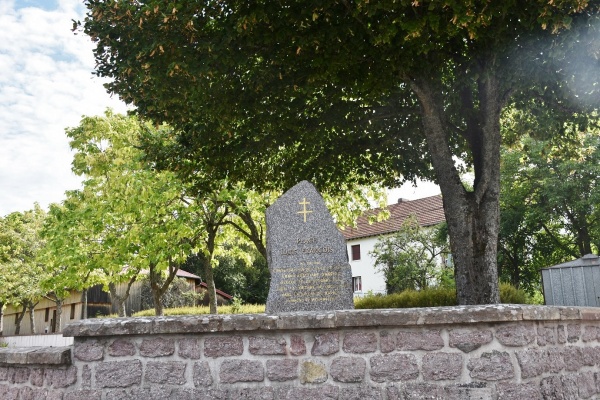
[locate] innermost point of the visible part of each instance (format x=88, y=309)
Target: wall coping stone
x=326, y=320
x=35, y=355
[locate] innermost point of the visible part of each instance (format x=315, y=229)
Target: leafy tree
x=413, y=257
x=127, y=218
x=248, y=281
x=356, y=92
x=77, y=242
x=549, y=203
x=20, y=270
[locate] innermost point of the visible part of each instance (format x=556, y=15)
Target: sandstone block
x=223, y=346
x=590, y=333
x=189, y=348
x=423, y=390
x=260, y=393
x=441, y=366
x=492, y=366
x=202, y=375
x=55, y=395
x=472, y=390
x=166, y=372
x=326, y=344
x=3, y=374
x=83, y=395
x=387, y=342
x=282, y=370
x=361, y=393
x=121, y=348
x=157, y=347
x=37, y=377
x=555, y=361
x=591, y=355
x=518, y=391
x=561, y=334
x=348, y=369
x=9, y=393
x=233, y=371
x=324, y=392
x=546, y=335
x=424, y=340
x=573, y=358
x=50, y=355
x=313, y=372
x=89, y=350
x=360, y=342
x=118, y=374
x=393, y=393
x=394, y=367
x=469, y=340
x=586, y=384
x=86, y=377
x=200, y=394
x=260, y=345
x=60, y=378
x=18, y=374
x=532, y=362
x=573, y=332
x=515, y=335
x=146, y=393
x=297, y=345
x=555, y=387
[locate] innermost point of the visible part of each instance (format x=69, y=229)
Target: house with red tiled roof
x=361, y=239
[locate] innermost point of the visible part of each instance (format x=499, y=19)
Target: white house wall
x=373, y=281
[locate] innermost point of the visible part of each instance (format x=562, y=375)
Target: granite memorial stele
x=306, y=254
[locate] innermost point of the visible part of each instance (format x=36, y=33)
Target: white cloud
x=46, y=85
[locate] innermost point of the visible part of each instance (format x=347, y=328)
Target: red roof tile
x=429, y=211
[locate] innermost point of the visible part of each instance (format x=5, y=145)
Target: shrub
x=3, y=344
x=511, y=295
x=434, y=297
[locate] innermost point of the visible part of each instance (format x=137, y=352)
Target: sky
x=47, y=85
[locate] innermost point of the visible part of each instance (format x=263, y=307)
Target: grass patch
x=435, y=297
x=230, y=309
x=3, y=344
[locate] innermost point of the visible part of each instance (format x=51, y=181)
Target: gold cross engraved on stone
x=304, y=211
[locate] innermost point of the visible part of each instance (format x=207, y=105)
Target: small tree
x=20, y=270
x=413, y=257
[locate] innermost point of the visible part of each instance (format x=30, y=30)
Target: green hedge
x=435, y=297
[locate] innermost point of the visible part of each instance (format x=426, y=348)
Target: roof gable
x=428, y=211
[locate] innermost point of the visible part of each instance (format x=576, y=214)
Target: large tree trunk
x=472, y=216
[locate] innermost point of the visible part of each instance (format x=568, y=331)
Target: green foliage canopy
x=20, y=269
x=351, y=92
x=550, y=203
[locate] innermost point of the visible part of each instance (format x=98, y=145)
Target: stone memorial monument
x=306, y=254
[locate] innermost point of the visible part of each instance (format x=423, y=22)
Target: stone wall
x=476, y=352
